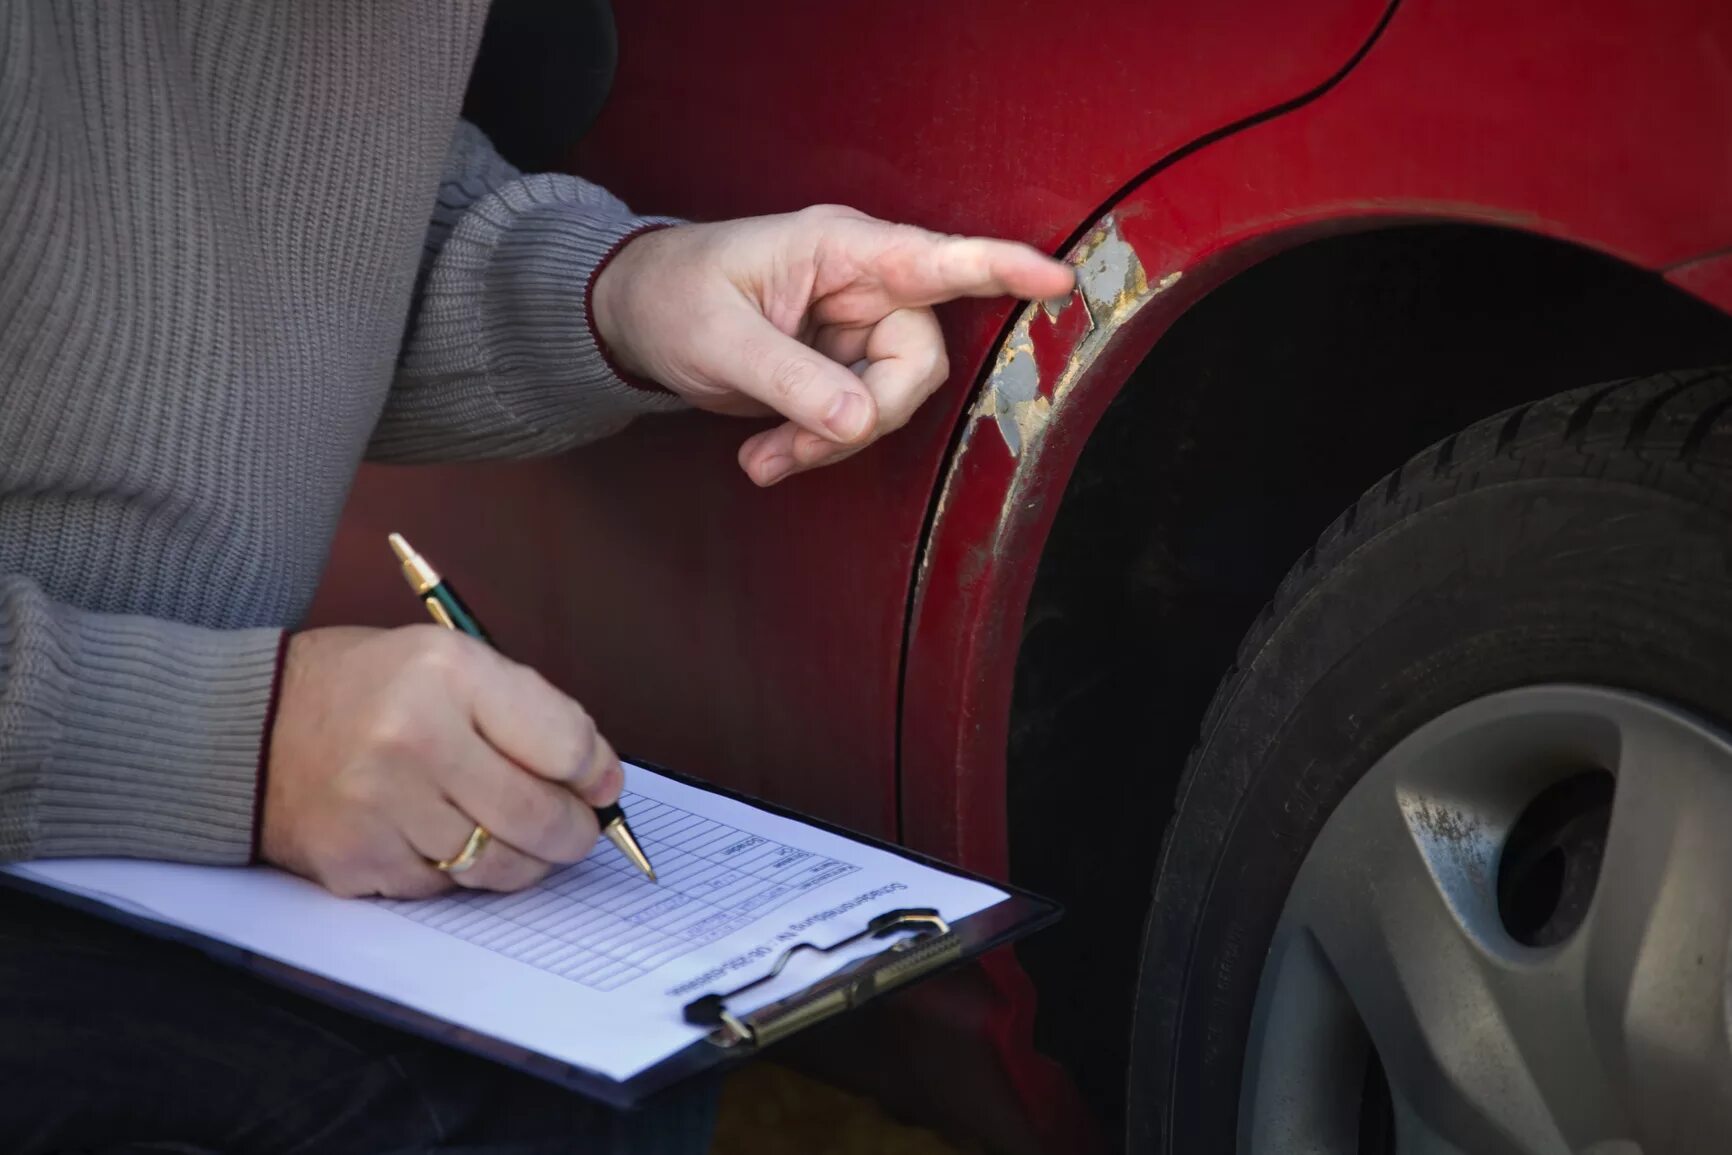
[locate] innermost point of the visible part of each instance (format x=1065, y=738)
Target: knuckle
x=609, y=784
x=939, y=371
x=817, y=451
x=583, y=840
x=575, y=835
x=555, y=830
x=908, y=260
x=438, y=653
x=520, y=820
x=359, y=792
x=791, y=377
x=580, y=749
x=538, y=825
x=824, y=213
x=393, y=735
x=569, y=737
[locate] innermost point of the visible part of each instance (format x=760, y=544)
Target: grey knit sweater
x=243, y=244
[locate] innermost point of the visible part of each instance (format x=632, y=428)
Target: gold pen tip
x=620, y=835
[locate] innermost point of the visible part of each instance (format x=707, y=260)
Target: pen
x=449, y=611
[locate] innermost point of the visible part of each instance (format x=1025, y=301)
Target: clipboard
x=919, y=942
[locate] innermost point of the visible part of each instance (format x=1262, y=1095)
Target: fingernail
x=848, y=417
x=607, y=787
x=774, y=470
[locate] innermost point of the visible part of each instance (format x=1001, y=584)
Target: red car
x=1330, y=603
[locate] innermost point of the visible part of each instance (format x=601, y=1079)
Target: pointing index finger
x=928, y=268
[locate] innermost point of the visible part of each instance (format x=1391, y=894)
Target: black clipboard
x=935, y=945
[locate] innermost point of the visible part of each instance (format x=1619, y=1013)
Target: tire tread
x=1600, y=423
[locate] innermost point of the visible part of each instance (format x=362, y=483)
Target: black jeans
x=112, y=1041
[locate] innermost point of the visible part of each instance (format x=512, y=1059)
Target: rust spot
x=1112, y=285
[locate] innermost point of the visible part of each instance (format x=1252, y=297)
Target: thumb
x=800, y=383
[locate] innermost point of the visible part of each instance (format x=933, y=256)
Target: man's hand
x=822, y=316
x=390, y=745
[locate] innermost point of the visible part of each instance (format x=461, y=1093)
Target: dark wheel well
x=1332, y=363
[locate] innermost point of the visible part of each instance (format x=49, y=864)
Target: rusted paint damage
x=1112, y=286
x=1108, y=271
x=1012, y=396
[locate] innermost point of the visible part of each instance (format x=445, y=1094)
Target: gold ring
x=465, y=858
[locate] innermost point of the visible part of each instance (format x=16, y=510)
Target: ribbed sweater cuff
x=154, y=743
x=542, y=329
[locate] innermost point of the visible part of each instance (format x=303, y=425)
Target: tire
x=1585, y=539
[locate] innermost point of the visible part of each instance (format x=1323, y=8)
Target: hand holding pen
x=446, y=608
x=387, y=747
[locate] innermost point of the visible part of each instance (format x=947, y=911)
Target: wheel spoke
x=1657, y=934
x=1411, y=931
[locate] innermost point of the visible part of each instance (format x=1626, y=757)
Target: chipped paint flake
x=1113, y=286
x=1108, y=271
x=1012, y=397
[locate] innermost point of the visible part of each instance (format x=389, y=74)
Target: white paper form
x=594, y=965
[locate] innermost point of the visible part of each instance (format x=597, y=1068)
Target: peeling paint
x=1115, y=288
x=1108, y=271
x=1112, y=285
x=1012, y=397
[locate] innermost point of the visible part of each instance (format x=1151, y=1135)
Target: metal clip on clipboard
x=933, y=945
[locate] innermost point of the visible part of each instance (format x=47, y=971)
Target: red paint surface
x=759, y=636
